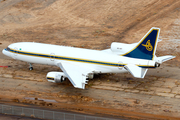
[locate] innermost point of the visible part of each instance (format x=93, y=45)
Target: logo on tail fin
x=148, y=45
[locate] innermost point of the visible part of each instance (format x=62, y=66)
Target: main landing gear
x=30, y=66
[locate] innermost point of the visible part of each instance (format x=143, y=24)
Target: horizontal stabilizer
x=159, y=40
x=136, y=71
x=165, y=58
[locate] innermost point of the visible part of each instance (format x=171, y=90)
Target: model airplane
x=78, y=64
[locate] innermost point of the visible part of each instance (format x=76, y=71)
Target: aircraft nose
x=5, y=52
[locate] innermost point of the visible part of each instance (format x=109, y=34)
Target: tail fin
x=146, y=47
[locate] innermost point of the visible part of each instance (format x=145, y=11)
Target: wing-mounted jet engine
x=56, y=77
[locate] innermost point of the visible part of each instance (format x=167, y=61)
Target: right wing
x=75, y=73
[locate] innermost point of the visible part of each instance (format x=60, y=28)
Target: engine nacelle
x=121, y=48
x=56, y=77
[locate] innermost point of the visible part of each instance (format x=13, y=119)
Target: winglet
x=136, y=71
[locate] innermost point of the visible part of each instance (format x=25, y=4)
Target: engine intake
x=56, y=77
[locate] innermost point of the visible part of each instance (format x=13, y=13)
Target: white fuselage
x=78, y=64
x=101, y=62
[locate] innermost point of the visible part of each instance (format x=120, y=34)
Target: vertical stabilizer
x=146, y=47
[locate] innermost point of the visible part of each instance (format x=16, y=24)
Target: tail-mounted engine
x=56, y=77
x=121, y=48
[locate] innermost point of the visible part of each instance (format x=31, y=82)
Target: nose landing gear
x=30, y=66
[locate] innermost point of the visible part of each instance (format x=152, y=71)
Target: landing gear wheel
x=30, y=68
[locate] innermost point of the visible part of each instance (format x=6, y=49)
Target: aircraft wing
x=75, y=73
x=136, y=71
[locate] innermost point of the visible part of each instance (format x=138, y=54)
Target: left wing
x=75, y=73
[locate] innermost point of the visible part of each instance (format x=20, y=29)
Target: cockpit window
x=8, y=49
